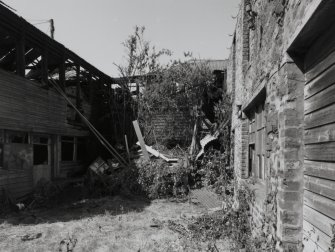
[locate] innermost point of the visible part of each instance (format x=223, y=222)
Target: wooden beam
x=8, y=61
x=90, y=87
x=20, y=55
x=62, y=72
x=78, y=86
x=45, y=71
x=12, y=23
x=141, y=140
x=159, y=155
x=31, y=56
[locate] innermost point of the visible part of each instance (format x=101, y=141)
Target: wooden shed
x=40, y=134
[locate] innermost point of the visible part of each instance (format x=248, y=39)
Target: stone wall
x=259, y=62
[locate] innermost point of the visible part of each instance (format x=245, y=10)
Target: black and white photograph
x=167, y=126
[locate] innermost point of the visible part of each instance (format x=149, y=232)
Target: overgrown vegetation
x=233, y=222
x=189, y=85
x=159, y=180
x=178, y=86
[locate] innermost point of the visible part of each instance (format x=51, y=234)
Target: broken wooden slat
x=127, y=147
x=194, y=138
x=158, y=154
x=141, y=140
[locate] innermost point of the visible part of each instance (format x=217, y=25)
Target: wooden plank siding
x=319, y=165
x=25, y=106
x=320, y=221
x=315, y=240
x=320, y=169
x=321, y=134
x=67, y=167
x=16, y=182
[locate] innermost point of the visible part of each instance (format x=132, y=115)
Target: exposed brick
x=288, y=217
x=284, y=109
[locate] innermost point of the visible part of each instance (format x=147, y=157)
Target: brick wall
x=176, y=126
x=268, y=67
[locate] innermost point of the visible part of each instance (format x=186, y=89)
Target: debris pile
x=6, y=203
x=110, y=178
x=45, y=193
x=152, y=170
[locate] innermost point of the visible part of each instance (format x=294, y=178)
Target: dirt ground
x=105, y=224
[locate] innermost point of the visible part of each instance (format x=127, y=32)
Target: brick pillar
x=245, y=149
x=245, y=37
x=290, y=170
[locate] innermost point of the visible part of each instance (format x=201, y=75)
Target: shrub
x=158, y=180
x=232, y=223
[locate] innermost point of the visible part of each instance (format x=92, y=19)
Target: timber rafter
x=19, y=37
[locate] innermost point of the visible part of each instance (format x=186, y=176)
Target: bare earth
x=106, y=224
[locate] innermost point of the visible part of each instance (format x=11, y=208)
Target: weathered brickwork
x=167, y=126
x=259, y=63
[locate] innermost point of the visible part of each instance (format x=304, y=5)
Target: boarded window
x=18, y=156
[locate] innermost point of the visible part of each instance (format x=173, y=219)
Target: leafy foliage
x=141, y=57
x=159, y=180
x=166, y=89
x=232, y=223
x=177, y=86
x=215, y=174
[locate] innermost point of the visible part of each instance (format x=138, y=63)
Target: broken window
x=41, y=151
x=73, y=148
x=17, y=137
x=81, y=149
x=67, y=148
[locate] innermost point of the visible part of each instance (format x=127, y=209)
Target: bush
x=158, y=180
x=233, y=223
